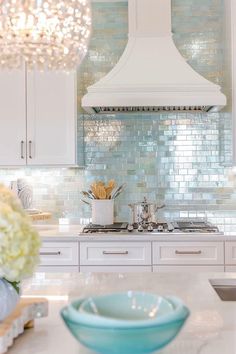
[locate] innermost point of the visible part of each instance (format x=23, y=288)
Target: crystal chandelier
x=46, y=34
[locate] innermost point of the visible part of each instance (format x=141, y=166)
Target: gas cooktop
x=179, y=226
x=117, y=227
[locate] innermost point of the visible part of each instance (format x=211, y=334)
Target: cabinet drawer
x=115, y=269
x=115, y=253
x=59, y=254
x=202, y=253
x=188, y=269
x=230, y=253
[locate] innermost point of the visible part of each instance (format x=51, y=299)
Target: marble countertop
x=74, y=233
x=209, y=330
x=59, y=232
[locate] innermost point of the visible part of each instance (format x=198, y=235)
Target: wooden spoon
x=109, y=188
x=108, y=192
x=111, y=184
x=94, y=189
x=101, y=192
x=100, y=183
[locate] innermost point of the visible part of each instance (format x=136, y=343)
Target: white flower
x=19, y=241
x=6, y=196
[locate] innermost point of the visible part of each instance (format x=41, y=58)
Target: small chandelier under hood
x=151, y=75
x=47, y=34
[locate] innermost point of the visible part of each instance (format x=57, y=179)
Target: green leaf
x=15, y=284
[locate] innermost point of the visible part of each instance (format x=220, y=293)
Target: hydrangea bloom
x=19, y=241
x=8, y=197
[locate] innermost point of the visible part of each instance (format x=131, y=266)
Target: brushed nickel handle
x=50, y=253
x=115, y=253
x=30, y=149
x=22, y=149
x=187, y=252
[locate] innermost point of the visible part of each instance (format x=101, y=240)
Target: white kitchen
x=117, y=176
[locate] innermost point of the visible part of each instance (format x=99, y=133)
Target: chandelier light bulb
x=47, y=34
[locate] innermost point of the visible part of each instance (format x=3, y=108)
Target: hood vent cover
x=152, y=76
x=110, y=110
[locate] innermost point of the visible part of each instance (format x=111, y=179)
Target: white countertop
x=59, y=232
x=210, y=329
x=74, y=233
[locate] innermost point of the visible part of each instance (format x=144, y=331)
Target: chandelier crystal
x=46, y=34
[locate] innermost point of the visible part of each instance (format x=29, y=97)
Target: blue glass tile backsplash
x=180, y=159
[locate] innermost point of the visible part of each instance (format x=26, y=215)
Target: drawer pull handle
x=187, y=252
x=116, y=253
x=50, y=253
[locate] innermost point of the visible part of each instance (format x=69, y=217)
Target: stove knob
x=170, y=227
x=150, y=228
x=160, y=228
x=140, y=228
x=130, y=228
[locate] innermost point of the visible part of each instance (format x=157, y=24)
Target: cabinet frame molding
x=230, y=36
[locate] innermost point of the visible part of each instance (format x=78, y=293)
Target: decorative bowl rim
x=65, y=313
x=180, y=312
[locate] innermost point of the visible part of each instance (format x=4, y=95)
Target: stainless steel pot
x=144, y=212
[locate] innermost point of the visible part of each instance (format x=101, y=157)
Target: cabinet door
x=51, y=118
x=230, y=253
x=12, y=118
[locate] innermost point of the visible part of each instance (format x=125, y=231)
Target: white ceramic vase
x=8, y=299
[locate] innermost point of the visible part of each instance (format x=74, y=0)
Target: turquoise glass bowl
x=131, y=309
x=125, y=323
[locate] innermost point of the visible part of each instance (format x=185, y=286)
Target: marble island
x=210, y=329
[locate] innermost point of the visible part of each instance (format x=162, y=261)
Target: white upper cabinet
x=51, y=118
x=37, y=118
x=12, y=118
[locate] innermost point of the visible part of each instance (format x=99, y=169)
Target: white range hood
x=151, y=75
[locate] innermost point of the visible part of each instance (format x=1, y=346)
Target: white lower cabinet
x=141, y=257
x=59, y=254
x=115, y=269
x=230, y=253
x=115, y=253
x=230, y=256
x=188, y=253
x=187, y=269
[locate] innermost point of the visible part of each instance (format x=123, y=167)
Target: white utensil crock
x=102, y=212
